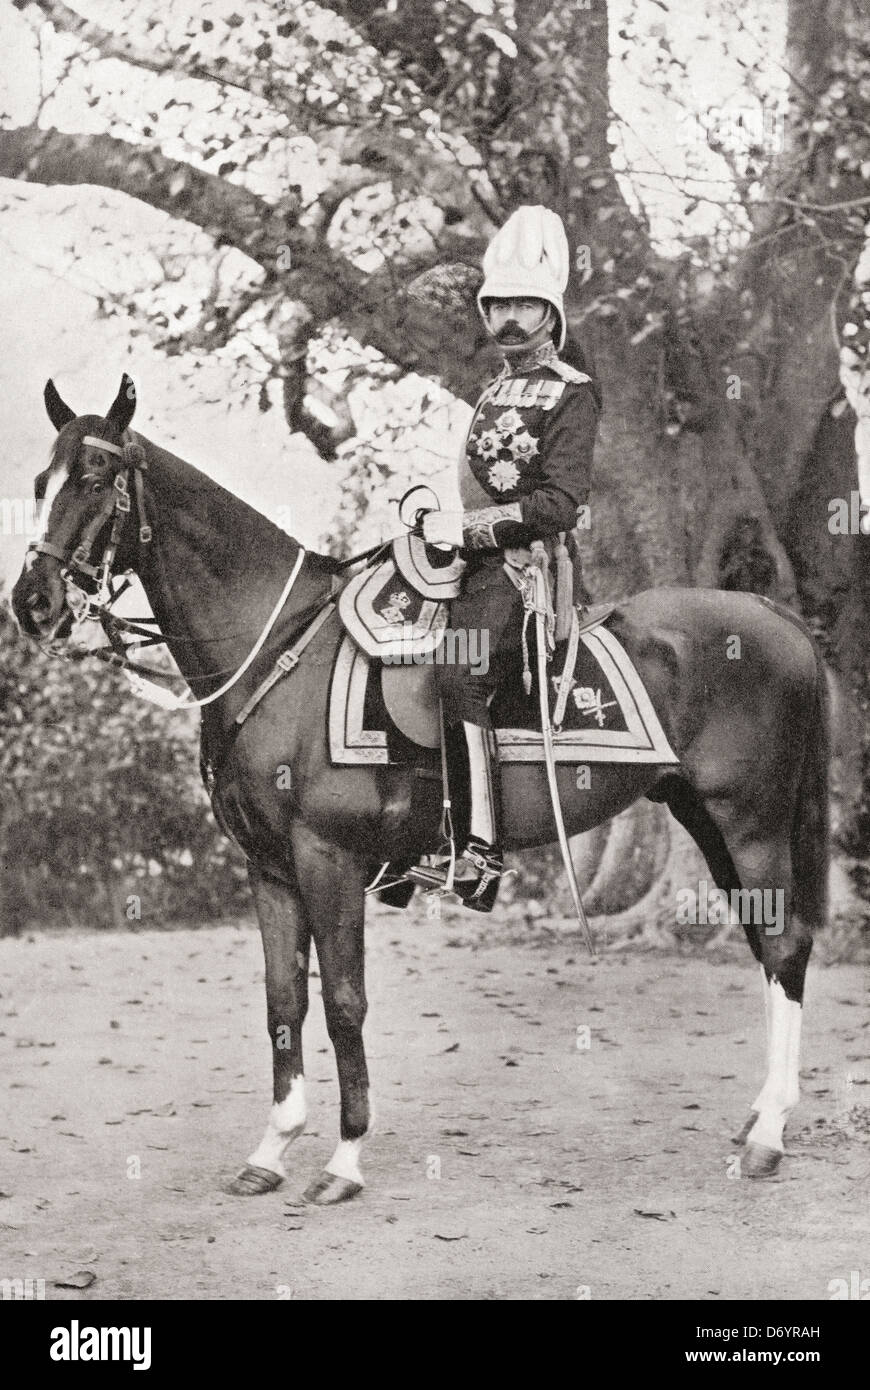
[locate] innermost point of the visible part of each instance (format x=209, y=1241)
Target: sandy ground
x=509, y=1163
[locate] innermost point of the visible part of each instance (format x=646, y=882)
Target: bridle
x=116, y=507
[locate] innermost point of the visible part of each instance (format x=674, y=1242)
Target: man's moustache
x=511, y=330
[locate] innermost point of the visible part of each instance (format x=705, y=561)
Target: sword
x=540, y=580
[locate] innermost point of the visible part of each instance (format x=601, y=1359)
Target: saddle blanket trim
x=349, y=743
x=642, y=741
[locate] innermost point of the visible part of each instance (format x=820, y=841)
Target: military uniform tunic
x=525, y=470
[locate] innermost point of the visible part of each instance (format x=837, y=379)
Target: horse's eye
x=97, y=485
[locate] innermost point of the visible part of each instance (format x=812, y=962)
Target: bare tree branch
x=368, y=306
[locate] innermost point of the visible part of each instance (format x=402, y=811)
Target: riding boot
x=480, y=866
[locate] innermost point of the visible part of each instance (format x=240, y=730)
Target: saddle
x=383, y=708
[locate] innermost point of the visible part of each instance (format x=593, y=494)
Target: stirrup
x=480, y=894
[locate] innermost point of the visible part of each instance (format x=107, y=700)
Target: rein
x=167, y=700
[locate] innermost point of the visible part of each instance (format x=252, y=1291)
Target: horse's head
x=80, y=492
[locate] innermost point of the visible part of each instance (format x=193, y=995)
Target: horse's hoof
x=759, y=1161
x=742, y=1137
x=253, y=1182
x=328, y=1189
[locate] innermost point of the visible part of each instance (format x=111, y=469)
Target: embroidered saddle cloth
x=398, y=607
x=383, y=708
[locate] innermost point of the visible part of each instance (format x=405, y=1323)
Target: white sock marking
x=781, y=1090
x=286, y=1123
x=345, y=1161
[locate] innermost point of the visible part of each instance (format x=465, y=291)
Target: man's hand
x=443, y=528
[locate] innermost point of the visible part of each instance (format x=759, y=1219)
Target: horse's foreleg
x=286, y=942
x=333, y=883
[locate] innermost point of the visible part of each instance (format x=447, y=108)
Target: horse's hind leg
x=286, y=943
x=333, y=884
x=785, y=947
x=782, y=943
x=753, y=865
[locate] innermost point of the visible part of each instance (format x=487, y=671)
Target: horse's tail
x=810, y=834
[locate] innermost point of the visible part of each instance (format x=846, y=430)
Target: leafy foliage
x=101, y=801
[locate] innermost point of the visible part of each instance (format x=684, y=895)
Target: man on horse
x=524, y=472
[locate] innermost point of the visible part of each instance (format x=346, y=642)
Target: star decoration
x=488, y=444
x=504, y=475
x=509, y=422
x=523, y=446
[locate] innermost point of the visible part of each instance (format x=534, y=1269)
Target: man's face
x=519, y=324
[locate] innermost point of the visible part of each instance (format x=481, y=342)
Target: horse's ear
x=122, y=409
x=59, y=412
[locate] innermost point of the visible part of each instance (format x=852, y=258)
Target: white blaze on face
x=56, y=480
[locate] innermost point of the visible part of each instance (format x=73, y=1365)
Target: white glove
x=443, y=528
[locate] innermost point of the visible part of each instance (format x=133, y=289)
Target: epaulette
x=566, y=372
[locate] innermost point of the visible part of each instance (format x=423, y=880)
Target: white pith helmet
x=528, y=258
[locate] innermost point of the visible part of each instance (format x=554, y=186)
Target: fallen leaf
x=82, y=1279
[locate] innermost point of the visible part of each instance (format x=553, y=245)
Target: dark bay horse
x=747, y=718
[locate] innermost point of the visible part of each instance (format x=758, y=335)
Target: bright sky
x=681, y=73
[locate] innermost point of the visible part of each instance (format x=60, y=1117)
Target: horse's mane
x=173, y=475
